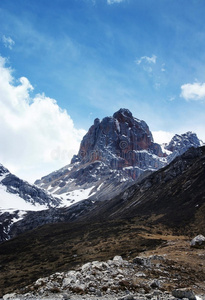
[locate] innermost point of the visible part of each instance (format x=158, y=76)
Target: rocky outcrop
x=117, y=279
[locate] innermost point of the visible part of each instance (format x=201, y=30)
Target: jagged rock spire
x=116, y=139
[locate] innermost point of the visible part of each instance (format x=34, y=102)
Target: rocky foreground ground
x=145, y=277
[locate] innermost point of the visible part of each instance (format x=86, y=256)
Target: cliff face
x=119, y=141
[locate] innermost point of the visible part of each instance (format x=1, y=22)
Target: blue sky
x=94, y=57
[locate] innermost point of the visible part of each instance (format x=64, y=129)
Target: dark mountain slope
x=174, y=194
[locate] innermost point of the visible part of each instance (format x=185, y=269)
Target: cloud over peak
x=36, y=135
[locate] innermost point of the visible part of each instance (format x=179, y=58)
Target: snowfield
x=75, y=196
x=10, y=202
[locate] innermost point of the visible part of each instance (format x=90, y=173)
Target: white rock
x=10, y=296
x=118, y=258
x=67, y=281
x=41, y=281
x=140, y=274
x=86, y=267
x=97, y=265
x=198, y=241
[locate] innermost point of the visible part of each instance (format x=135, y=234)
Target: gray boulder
x=143, y=261
x=198, y=241
x=184, y=293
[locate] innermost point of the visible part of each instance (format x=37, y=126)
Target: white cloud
x=194, y=91
x=147, y=63
x=147, y=59
x=114, y=1
x=8, y=42
x=36, y=135
x=162, y=137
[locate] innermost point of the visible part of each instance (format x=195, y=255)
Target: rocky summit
x=118, y=141
x=114, y=153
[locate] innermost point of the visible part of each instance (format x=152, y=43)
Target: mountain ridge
x=154, y=195
x=114, y=154
x=114, y=151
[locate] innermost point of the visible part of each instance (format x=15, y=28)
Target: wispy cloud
x=8, y=42
x=34, y=129
x=147, y=62
x=147, y=59
x=193, y=91
x=114, y=1
x=163, y=68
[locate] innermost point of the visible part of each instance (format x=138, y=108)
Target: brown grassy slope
x=60, y=247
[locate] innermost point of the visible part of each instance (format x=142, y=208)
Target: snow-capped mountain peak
x=115, y=152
